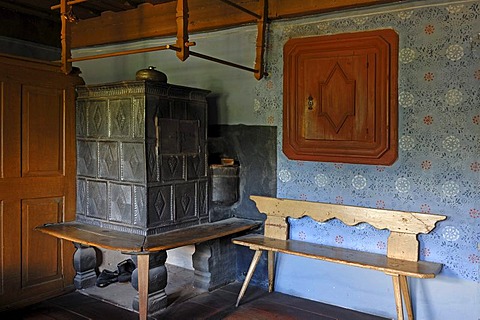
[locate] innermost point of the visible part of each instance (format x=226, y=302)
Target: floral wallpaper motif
x=438, y=169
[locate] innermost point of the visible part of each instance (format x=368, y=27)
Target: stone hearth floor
x=179, y=288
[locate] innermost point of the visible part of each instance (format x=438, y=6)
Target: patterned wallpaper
x=438, y=169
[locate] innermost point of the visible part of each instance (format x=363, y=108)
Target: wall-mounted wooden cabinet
x=37, y=179
x=340, y=98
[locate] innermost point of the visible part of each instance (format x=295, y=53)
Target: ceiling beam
x=149, y=21
x=39, y=12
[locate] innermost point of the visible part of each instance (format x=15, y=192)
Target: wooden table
x=142, y=246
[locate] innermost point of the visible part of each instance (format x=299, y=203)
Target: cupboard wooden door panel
x=37, y=179
x=341, y=86
x=42, y=131
x=41, y=254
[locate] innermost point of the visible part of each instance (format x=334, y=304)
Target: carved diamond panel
x=87, y=158
x=160, y=205
x=133, y=162
x=185, y=206
x=120, y=113
x=171, y=168
x=97, y=119
x=337, y=98
x=109, y=164
x=121, y=203
x=97, y=199
x=195, y=166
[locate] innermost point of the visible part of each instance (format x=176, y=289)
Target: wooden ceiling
x=113, y=21
x=84, y=10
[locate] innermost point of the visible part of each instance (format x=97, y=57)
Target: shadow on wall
x=253, y=149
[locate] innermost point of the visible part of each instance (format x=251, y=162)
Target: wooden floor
x=257, y=304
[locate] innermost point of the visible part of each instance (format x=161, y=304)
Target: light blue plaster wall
x=438, y=169
x=232, y=88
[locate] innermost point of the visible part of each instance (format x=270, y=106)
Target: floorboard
x=185, y=302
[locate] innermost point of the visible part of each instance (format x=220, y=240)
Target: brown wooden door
x=37, y=180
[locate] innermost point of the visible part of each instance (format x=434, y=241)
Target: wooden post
x=65, y=38
x=182, y=30
x=276, y=227
x=260, y=46
x=402, y=246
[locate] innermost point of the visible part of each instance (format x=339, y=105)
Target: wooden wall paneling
x=10, y=126
x=2, y=250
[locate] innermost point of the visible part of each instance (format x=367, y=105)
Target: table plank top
x=133, y=243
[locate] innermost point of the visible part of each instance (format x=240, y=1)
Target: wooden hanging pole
x=182, y=45
x=213, y=59
x=119, y=53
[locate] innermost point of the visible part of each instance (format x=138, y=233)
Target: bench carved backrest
x=404, y=226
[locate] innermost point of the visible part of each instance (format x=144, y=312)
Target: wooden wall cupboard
x=37, y=179
x=340, y=98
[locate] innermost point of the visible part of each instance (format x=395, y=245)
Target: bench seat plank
x=132, y=243
x=417, y=269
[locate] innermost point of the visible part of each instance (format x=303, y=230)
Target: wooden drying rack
x=181, y=46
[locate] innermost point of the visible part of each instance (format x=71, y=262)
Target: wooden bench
x=142, y=246
x=400, y=262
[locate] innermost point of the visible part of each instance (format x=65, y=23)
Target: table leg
x=142, y=260
x=84, y=263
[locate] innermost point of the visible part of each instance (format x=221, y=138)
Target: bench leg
x=400, y=288
x=271, y=270
x=251, y=269
x=406, y=296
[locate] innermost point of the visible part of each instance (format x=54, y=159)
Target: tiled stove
x=141, y=156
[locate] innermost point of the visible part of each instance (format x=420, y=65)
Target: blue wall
x=438, y=169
